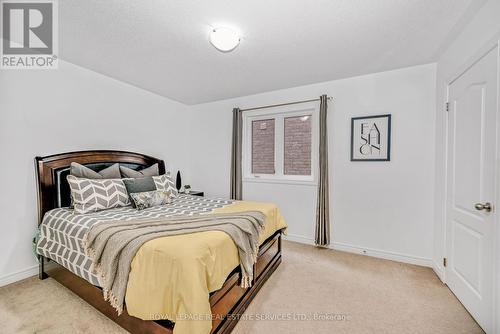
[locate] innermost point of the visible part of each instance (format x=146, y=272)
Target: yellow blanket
x=171, y=277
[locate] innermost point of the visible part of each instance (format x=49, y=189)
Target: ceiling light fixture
x=224, y=39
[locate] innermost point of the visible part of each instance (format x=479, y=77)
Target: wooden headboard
x=49, y=171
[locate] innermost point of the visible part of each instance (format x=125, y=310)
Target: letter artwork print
x=371, y=138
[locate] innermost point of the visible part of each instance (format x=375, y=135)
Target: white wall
x=384, y=208
x=52, y=111
x=483, y=30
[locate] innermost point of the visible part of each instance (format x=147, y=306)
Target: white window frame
x=279, y=114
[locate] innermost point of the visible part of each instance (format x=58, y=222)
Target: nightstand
x=196, y=193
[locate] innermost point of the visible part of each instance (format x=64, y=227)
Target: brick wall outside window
x=296, y=144
x=297, y=149
x=263, y=146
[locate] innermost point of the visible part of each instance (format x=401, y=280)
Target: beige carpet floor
x=313, y=291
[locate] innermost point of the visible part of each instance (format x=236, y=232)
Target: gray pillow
x=149, y=171
x=139, y=185
x=111, y=172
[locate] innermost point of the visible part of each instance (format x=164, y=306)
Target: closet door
x=471, y=172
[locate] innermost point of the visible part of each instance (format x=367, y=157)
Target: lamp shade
x=224, y=39
x=178, y=181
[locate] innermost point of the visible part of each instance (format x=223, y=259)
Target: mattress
x=62, y=231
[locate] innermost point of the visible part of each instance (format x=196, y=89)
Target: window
x=278, y=146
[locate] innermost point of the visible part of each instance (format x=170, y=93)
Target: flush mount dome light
x=224, y=39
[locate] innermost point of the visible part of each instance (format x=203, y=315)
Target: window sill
x=279, y=181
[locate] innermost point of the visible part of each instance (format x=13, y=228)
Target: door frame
x=493, y=44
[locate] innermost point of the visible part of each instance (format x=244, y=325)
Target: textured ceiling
x=162, y=45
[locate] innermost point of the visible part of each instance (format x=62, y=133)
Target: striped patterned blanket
x=62, y=231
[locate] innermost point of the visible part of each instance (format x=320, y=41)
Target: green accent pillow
x=139, y=185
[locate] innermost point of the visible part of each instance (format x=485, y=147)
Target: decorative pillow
x=149, y=199
x=139, y=185
x=164, y=182
x=111, y=172
x=149, y=171
x=95, y=195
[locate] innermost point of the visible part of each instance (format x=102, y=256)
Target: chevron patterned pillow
x=96, y=195
x=165, y=182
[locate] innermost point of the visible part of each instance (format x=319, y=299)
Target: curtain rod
x=284, y=104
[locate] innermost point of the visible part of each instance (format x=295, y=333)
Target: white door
x=471, y=187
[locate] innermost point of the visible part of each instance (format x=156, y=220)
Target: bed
x=61, y=256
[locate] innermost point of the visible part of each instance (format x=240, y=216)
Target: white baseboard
x=20, y=275
x=382, y=254
x=299, y=239
x=439, y=270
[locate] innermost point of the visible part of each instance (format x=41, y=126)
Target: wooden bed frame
x=227, y=304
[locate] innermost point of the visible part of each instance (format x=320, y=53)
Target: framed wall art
x=371, y=138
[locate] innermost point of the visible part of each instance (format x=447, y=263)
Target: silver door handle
x=486, y=206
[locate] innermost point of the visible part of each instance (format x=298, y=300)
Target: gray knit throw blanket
x=112, y=245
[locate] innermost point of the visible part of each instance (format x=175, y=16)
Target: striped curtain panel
x=236, y=181
x=322, y=235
